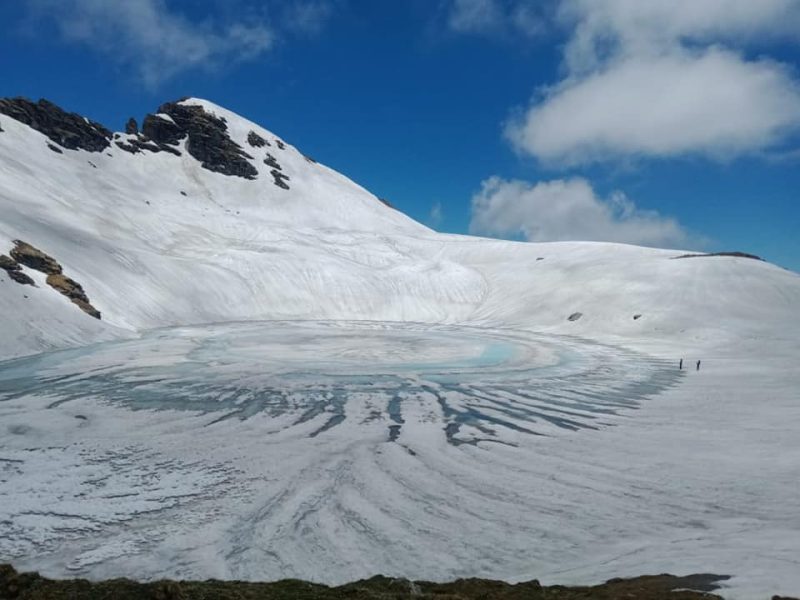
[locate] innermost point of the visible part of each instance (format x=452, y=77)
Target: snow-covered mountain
x=206, y=217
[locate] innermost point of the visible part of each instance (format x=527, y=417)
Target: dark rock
x=68, y=130
x=9, y=264
x=132, y=127
x=74, y=291
x=21, y=277
x=34, y=258
x=385, y=202
x=540, y=258
x=136, y=145
x=208, y=139
x=128, y=147
x=280, y=144
x=734, y=254
x=309, y=159
x=161, y=130
x=637, y=317
x=574, y=316
x=279, y=179
x=256, y=141
x=55, y=149
x=271, y=162
x=183, y=193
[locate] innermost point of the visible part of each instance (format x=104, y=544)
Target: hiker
x=698, y=365
x=680, y=365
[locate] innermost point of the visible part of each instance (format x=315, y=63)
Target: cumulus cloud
x=150, y=38
x=662, y=78
x=712, y=103
x=568, y=210
x=493, y=17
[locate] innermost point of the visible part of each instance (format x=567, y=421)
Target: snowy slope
x=235, y=249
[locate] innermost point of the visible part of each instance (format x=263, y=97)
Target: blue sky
x=673, y=123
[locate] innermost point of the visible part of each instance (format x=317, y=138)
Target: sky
x=666, y=123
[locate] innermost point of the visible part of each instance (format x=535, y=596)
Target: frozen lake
x=337, y=450
x=485, y=382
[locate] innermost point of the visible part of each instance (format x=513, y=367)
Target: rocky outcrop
x=141, y=143
x=34, y=258
x=30, y=256
x=72, y=290
x=207, y=138
x=574, y=316
x=14, y=270
x=270, y=161
x=68, y=130
x=132, y=127
x=161, y=130
x=256, y=141
x=280, y=179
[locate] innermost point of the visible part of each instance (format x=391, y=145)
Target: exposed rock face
x=256, y=141
x=8, y=263
x=162, y=131
x=271, y=162
x=68, y=130
x=14, y=270
x=21, y=278
x=131, y=127
x=34, y=258
x=279, y=179
x=574, y=316
x=140, y=143
x=72, y=290
x=208, y=139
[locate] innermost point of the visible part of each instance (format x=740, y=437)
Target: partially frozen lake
x=337, y=450
x=485, y=382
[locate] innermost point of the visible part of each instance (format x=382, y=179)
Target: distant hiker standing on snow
x=698, y=365
x=680, y=365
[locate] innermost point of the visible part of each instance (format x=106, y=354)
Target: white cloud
x=713, y=103
x=659, y=78
x=494, y=17
x=436, y=215
x=152, y=40
x=568, y=210
x=308, y=17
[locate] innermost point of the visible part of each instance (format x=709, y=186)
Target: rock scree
x=68, y=130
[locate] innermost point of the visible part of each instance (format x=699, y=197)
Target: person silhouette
x=698, y=365
x=680, y=365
